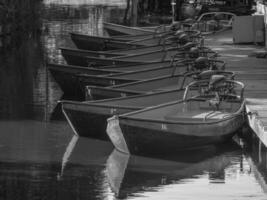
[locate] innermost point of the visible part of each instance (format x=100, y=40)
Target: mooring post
x=173, y=4
x=178, y=10
x=134, y=12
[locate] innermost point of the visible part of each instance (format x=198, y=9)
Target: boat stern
x=115, y=134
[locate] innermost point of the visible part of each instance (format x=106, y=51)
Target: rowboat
x=210, y=112
x=82, y=116
x=98, y=43
x=158, y=83
x=127, y=77
x=151, y=173
x=208, y=22
x=80, y=57
x=89, y=118
x=77, y=56
x=73, y=79
x=117, y=29
x=102, y=43
x=159, y=55
x=77, y=82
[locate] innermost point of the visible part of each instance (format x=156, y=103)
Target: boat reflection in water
x=257, y=159
x=131, y=175
x=83, y=168
x=85, y=152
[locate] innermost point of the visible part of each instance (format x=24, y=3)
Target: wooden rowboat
x=143, y=86
x=117, y=29
x=82, y=116
x=210, y=112
x=67, y=75
x=127, y=77
x=73, y=83
x=84, y=57
x=89, y=118
x=78, y=56
x=102, y=43
x=74, y=57
x=155, y=56
x=98, y=43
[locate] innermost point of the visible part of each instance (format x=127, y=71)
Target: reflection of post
x=134, y=12
x=173, y=4
x=126, y=12
x=178, y=10
x=260, y=145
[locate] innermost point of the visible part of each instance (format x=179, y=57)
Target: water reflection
x=44, y=160
x=257, y=158
x=131, y=175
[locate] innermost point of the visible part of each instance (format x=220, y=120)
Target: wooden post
x=134, y=12
x=173, y=5
x=125, y=19
x=178, y=10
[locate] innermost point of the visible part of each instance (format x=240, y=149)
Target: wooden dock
x=252, y=72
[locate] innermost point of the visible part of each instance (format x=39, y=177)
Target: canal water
x=41, y=159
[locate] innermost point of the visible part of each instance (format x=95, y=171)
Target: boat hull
x=148, y=137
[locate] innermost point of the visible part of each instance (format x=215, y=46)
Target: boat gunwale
x=107, y=39
x=54, y=66
x=147, y=70
x=89, y=51
x=94, y=102
x=147, y=80
x=91, y=104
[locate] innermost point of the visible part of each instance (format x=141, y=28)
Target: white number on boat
x=113, y=110
x=164, y=127
x=112, y=82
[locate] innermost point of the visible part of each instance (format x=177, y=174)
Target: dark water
x=41, y=159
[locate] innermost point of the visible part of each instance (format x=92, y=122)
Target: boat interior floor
x=191, y=110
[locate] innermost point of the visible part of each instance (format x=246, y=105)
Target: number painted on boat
x=113, y=110
x=112, y=82
x=123, y=94
x=164, y=127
